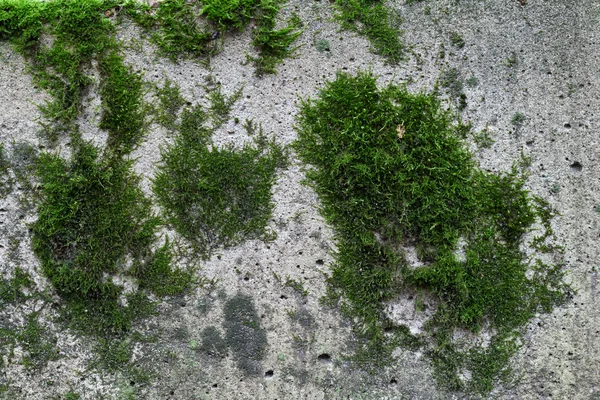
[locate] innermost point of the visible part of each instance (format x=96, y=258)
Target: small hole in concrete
x=324, y=357
x=393, y=381
x=215, y=385
x=131, y=383
x=576, y=166
x=568, y=126
x=320, y=262
x=269, y=373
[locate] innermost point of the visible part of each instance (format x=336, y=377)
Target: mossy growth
x=378, y=23
x=274, y=45
x=217, y=197
x=243, y=333
x=59, y=38
x=180, y=28
x=95, y=225
x=6, y=180
x=170, y=103
x=391, y=172
x=11, y=290
x=38, y=344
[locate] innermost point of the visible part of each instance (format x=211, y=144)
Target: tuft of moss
x=391, y=171
x=274, y=45
x=375, y=21
x=39, y=345
x=170, y=103
x=122, y=111
x=173, y=28
x=243, y=333
x=6, y=180
x=92, y=217
x=176, y=29
x=217, y=197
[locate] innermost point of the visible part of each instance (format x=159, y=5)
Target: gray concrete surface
x=555, y=83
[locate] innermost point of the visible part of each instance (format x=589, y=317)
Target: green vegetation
x=175, y=29
x=80, y=33
x=217, y=197
x=95, y=232
x=297, y=286
x=6, y=180
x=391, y=171
x=323, y=45
x=243, y=334
x=375, y=21
x=92, y=217
x=472, y=82
x=457, y=40
x=452, y=81
x=170, y=103
x=274, y=45
x=39, y=345
x=518, y=119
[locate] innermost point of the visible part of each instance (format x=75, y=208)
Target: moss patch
x=375, y=21
x=93, y=217
x=181, y=28
x=217, y=197
x=400, y=177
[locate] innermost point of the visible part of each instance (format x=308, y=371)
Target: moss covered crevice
x=401, y=176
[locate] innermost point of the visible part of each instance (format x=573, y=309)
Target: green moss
x=220, y=105
x=38, y=344
x=80, y=32
x=216, y=197
x=375, y=21
x=122, y=111
x=170, y=103
x=11, y=289
x=297, y=286
x=92, y=217
x=452, y=80
x=6, y=180
x=173, y=28
x=243, y=333
x=457, y=40
x=518, y=119
x=176, y=31
x=402, y=177
x=273, y=45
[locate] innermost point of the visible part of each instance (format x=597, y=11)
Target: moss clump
x=274, y=45
x=216, y=197
x=243, y=334
x=11, y=289
x=39, y=345
x=79, y=33
x=375, y=21
x=6, y=180
x=391, y=171
x=92, y=217
x=175, y=28
x=122, y=110
x=170, y=103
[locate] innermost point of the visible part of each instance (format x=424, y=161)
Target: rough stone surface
x=554, y=82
